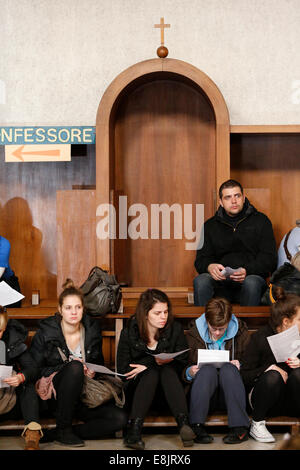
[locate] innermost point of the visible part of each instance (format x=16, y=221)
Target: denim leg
x=203, y=388
x=204, y=288
x=235, y=396
x=252, y=290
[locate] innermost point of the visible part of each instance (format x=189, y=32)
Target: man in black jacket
x=237, y=237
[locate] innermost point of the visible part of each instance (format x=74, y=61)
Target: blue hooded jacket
x=230, y=332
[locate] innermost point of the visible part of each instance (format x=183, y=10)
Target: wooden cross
x=162, y=27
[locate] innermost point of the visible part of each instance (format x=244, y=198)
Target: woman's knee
x=294, y=376
x=75, y=367
x=271, y=379
x=72, y=371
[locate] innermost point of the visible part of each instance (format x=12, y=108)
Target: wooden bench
x=183, y=311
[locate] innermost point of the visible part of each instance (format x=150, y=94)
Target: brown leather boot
x=32, y=434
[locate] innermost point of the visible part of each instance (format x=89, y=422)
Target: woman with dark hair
x=214, y=388
x=274, y=388
x=58, y=347
x=151, y=331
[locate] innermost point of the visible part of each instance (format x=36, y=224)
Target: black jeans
x=26, y=407
x=104, y=420
x=272, y=397
x=148, y=386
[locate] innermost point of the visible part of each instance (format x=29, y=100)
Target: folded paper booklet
x=214, y=357
x=5, y=372
x=101, y=369
x=228, y=271
x=165, y=356
x=285, y=344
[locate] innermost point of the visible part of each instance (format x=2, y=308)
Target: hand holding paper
x=5, y=372
x=227, y=272
x=167, y=356
x=100, y=369
x=214, y=357
x=285, y=345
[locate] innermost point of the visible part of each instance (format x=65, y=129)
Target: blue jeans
x=247, y=293
x=219, y=390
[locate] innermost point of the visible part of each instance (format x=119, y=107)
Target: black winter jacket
x=17, y=354
x=249, y=244
x=133, y=350
x=258, y=356
x=50, y=336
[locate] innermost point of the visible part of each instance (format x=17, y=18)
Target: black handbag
x=287, y=277
x=101, y=292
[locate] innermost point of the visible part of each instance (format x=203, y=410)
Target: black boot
x=186, y=433
x=67, y=437
x=202, y=437
x=133, y=438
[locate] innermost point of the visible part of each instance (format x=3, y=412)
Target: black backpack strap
x=288, y=254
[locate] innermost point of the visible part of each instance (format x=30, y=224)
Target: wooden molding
x=266, y=129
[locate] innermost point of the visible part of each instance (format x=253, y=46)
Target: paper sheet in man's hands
x=227, y=272
x=285, y=344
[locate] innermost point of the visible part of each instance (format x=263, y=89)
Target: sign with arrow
x=38, y=153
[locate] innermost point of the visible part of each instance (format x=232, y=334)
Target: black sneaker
x=236, y=435
x=66, y=437
x=202, y=437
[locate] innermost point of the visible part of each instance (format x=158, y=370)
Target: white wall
x=57, y=57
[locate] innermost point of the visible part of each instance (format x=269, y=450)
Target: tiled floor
x=153, y=441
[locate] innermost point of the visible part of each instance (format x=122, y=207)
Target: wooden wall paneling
x=120, y=247
x=76, y=235
x=272, y=162
x=28, y=216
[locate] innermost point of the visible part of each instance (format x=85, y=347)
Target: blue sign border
x=30, y=135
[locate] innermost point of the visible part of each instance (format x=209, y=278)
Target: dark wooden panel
x=164, y=153
x=270, y=162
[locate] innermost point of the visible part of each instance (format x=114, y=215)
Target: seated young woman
x=151, y=331
x=20, y=401
x=214, y=388
x=73, y=334
x=274, y=388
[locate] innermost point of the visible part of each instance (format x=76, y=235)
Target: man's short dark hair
x=229, y=184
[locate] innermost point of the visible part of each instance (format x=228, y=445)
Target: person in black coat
x=23, y=403
x=149, y=332
x=273, y=388
x=238, y=237
x=58, y=348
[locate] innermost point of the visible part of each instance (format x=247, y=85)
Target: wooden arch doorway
x=162, y=138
